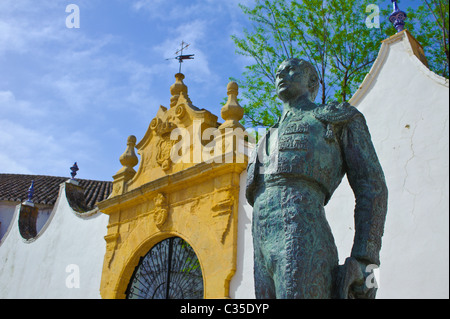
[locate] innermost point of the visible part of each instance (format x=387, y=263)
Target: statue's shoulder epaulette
x=335, y=113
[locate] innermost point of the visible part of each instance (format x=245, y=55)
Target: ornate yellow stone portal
x=187, y=185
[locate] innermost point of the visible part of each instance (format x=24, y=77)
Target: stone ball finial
x=177, y=88
x=131, y=140
x=232, y=112
x=129, y=159
x=232, y=88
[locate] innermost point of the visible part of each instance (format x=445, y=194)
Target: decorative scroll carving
x=221, y=214
x=111, y=245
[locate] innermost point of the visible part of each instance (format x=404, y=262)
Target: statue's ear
x=313, y=81
x=313, y=85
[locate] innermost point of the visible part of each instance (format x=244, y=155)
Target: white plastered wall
x=406, y=108
x=64, y=261
x=242, y=283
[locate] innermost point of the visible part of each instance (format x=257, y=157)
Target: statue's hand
x=349, y=275
x=361, y=290
x=351, y=281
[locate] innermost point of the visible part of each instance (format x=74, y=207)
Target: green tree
x=353, y=45
x=429, y=23
x=332, y=35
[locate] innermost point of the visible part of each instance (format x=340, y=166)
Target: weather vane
x=180, y=57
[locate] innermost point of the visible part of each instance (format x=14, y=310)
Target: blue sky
x=76, y=94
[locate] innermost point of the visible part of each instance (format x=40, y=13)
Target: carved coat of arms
x=161, y=210
x=164, y=148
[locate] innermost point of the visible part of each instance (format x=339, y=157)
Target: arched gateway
x=182, y=199
x=170, y=270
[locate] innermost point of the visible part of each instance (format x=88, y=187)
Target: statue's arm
x=366, y=178
x=251, y=177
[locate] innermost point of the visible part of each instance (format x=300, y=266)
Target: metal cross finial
x=397, y=18
x=31, y=192
x=180, y=57
x=74, y=170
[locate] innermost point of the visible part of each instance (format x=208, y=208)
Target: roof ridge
x=40, y=175
x=13, y=187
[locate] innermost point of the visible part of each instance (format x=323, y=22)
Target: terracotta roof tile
x=14, y=187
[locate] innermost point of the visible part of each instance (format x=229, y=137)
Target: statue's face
x=291, y=80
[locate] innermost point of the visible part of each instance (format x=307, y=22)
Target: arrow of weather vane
x=180, y=57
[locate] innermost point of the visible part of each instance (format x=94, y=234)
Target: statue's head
x=295, y=78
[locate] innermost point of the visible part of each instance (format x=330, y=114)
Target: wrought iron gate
x=170, y=270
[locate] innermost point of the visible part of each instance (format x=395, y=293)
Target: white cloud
x=23, y=110
x=65, y=89
x=9, y=165
x=28, y=149
x=25, y=25
x=194, y=33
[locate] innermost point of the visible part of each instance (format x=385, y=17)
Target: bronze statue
x=292, y=175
